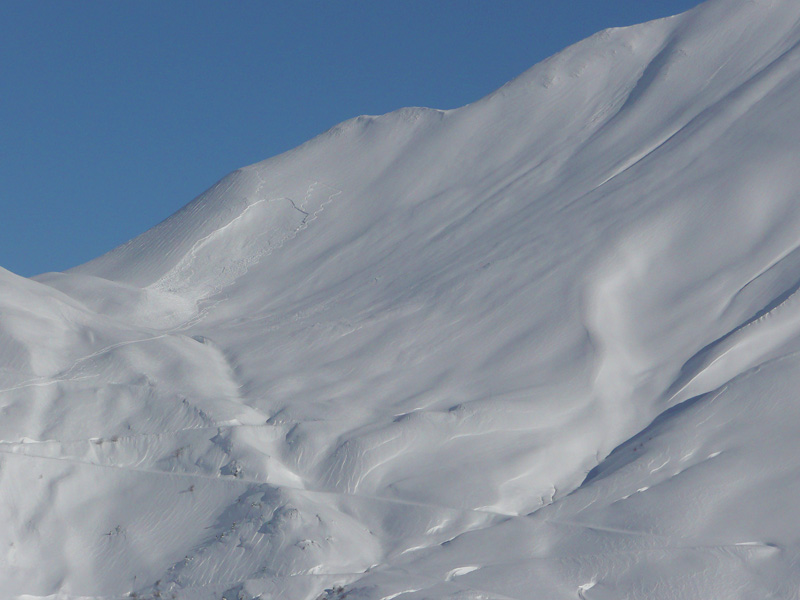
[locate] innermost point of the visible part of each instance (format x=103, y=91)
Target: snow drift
x=542, y=346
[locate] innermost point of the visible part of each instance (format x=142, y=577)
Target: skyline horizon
x=129, y=124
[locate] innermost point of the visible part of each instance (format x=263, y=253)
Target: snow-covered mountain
x=544, y=346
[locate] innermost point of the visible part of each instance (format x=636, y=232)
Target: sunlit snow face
x=544, y=344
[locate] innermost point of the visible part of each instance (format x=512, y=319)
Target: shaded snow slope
x=542, y=346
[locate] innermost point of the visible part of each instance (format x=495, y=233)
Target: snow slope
x=542, y=346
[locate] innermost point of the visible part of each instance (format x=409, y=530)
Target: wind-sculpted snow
x=542, y=346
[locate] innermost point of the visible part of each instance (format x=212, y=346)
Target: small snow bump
x=459, y=571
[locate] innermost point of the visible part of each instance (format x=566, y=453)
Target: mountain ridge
x=539, y=346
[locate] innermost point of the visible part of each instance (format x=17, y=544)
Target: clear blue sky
x=115, y=114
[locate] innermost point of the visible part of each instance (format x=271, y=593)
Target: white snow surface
x=544, y=346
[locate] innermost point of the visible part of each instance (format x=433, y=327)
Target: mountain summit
x=546, y=345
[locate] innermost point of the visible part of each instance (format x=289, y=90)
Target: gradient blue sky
x=115, y=114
